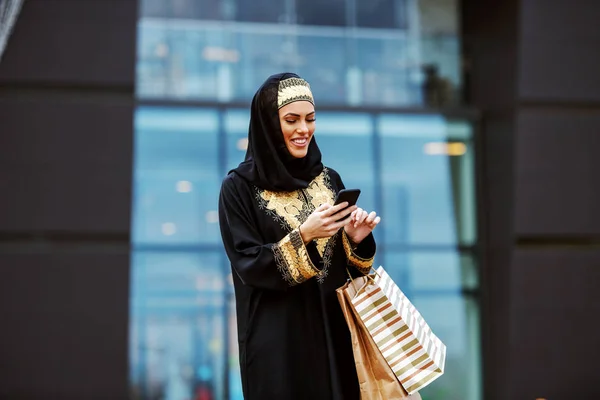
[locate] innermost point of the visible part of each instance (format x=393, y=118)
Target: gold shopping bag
x=400, y=335
x=376, y=378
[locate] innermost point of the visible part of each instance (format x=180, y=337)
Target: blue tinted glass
x=188, y=59
x=236, y=129
x=346, y=142
x=262, y=54
x=178, y=329
x=327, y=79
x=176, y=180
x=428, y=195
x=386, y=75
x=434, y=281
x=431, y=271
x=455, y=320
x=185, y=60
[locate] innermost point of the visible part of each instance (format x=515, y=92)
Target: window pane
x=178, y=311
x=431, y=271
x=260, y=11
x=321, y=12
x=375, y=51
x=455, y=320
x=346, y=142
x=428, y=191
x=261, y=54
x=379, y=13
x=327, y=79
x=387, y=75
x=176, y=178
x=237, y=122
x=434, y=281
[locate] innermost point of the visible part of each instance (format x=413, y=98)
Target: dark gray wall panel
x=558, y=173
x=74, y=42
x=66, y=133
x=64, y=325
x=541, y=184
x=69, y=163
x=559, y=50
x=554, y=324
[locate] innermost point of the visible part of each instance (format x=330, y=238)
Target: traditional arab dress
x=293, y=339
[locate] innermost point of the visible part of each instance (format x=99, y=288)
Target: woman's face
x=297, y=121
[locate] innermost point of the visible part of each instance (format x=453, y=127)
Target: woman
x=289, y=252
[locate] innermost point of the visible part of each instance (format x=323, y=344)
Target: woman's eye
x=290, y=121
x=311, y=120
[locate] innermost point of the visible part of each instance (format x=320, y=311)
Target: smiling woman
x=290, y=248
x=298, y=126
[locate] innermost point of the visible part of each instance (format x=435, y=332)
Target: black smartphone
x=349, y=195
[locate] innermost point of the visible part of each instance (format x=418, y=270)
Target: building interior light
x=169, y=228
x=161, y=50
x=242, y=144
x=221, y=54
x=184, y=186
x=212, y=217
x=445, y=148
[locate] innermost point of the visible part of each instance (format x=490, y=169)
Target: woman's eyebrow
x=297, y=115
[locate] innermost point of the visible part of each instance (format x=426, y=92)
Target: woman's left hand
x=361, y=225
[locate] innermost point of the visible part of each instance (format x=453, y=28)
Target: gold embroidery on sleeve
x=292, y=259
x=362, y=264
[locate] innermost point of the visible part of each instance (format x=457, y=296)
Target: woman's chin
x=298, y=152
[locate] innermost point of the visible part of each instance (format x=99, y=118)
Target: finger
x=334, y=209
x=329, y=221
x=323, y=207
x=373, y=224
x=345, y=212
x=363, y=217
x=371, y=217
x=359, y=217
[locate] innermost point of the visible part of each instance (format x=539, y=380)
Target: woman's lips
x=300, y=142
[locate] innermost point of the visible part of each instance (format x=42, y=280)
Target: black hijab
x=268, y=164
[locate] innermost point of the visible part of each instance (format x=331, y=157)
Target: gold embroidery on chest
x=319, y=193
x=287, y=205
x=291, y=209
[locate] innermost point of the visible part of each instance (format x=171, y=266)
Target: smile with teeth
x=300, y=142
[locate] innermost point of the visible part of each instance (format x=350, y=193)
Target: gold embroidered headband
x=293, y=89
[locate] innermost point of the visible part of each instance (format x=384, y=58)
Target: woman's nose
x=303, y=128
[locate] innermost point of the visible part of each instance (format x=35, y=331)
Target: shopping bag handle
x=368, y=276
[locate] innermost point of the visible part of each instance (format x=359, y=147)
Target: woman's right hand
x=322, y=222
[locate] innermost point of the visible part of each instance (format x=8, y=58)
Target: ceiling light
x=445, y=148
x=184, y=186
x=169, y=228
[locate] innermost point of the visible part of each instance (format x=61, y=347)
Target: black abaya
x=294, y=341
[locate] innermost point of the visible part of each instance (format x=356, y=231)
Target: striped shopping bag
x=412, y=351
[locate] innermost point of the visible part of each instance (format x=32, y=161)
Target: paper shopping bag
x=413, y=352
x=376, y=378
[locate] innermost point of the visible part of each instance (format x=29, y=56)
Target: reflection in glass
x=440, y=284
x=381, y=13
x=204, y=60
x=178, y=327
x=427, y=198
x=322, y=12
x=175, y=149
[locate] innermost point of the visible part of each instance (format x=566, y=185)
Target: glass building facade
x=199, y=63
